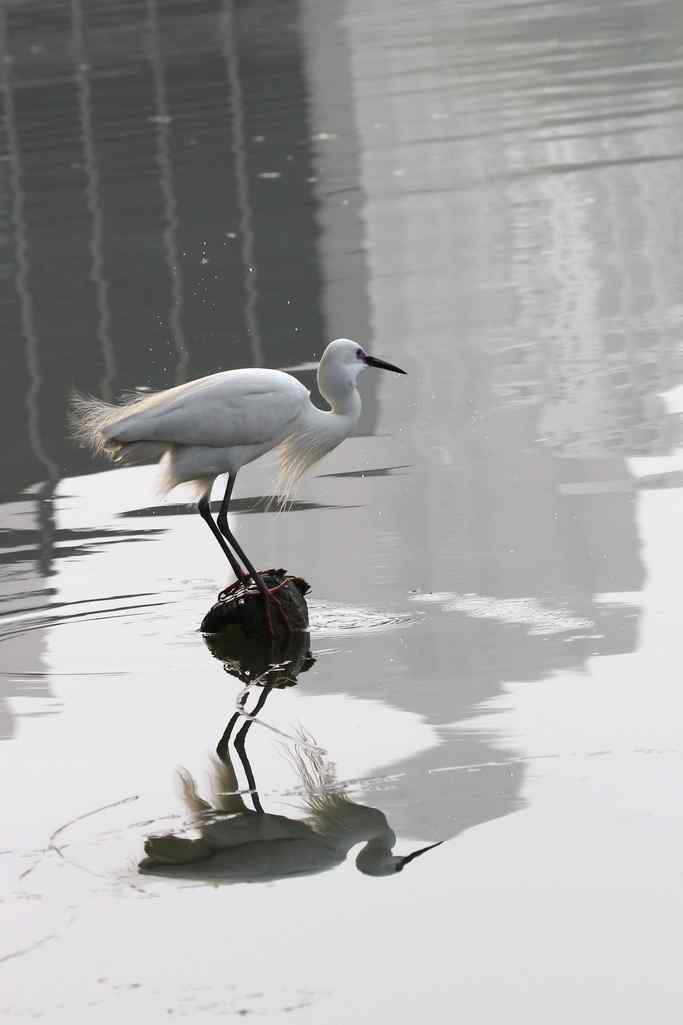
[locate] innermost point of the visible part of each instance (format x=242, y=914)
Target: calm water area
x=490, y=195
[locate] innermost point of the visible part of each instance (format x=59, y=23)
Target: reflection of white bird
x=238, y=844
x=217, y=424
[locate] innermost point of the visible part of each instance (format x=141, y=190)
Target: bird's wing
x=236, y=407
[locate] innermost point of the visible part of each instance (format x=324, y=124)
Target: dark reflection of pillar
x=82, y=75
x=22, y=579
x=242, y=170
x=49, y=467
x=164, y=158
x=125, y=104
x=44, y=138
x=276, y=130
x=206, y=193
x=230, y=39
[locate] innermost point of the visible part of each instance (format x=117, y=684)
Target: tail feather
x=189, y=794
x=87, y=418
x=91, y=421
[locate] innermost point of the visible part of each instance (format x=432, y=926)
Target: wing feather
x=236, y=407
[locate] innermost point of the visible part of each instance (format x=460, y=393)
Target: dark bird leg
x=205, y=512
x=267, y=594
x=240, y=741
x=223, y=743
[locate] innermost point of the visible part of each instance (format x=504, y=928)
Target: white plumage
x=206, y=427
x=217, y=424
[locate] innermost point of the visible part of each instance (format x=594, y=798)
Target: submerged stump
x=244, y=607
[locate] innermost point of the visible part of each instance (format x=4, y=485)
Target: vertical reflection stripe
x=231, y=51
x=82, y=76
x=162, y=122
x=17, y=199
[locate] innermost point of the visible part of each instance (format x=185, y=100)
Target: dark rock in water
x=236, y=632
x=244, y=606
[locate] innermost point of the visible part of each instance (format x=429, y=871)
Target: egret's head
x=375, y=861
x=342, y=361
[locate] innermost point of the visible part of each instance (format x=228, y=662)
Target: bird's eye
x=360, y=354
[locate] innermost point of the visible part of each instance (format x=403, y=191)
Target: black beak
x=372, y=361
x=422, y=850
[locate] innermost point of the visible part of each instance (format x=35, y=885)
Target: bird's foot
x=241, y=584
x=269, y=592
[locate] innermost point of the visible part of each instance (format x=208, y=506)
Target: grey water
x=489, y=195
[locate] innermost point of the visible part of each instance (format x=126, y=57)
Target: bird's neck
x=346, y=823
x=376, y=858
x=337, y=384
x=347, y=404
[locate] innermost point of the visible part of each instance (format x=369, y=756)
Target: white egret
x=217, y=424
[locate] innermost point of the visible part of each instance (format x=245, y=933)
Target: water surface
x=489, y=196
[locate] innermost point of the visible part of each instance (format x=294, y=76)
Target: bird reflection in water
x=234, y=843
x=231, y=842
